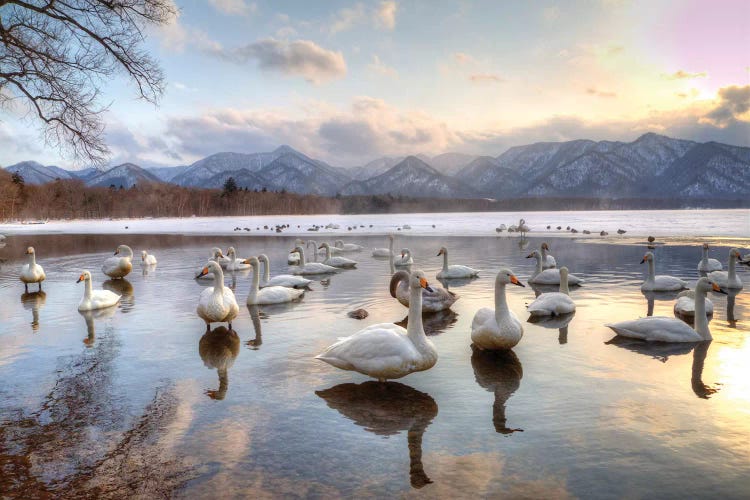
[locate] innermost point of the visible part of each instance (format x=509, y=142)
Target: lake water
x=140, y=400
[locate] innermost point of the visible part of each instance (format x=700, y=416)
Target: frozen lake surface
x=140, y=400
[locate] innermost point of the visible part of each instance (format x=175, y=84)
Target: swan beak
x=515, y=281
x=716, y=288
x=246, y=261
x=403, y=254
x=203, y=272
x=530, y=256
x=321, y=247
x=440, y=253
x=423, y=284
x=643, y=260
x=117, y=251
x=80, y=278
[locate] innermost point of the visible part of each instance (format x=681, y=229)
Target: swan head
x=339, y=243
x=253, y=261
x=534, y=255
x=443, y=251
x=390, y=237
x=324, y=245
x=143, y=255
x=417, y=279
x=706, y=285
x=216, y=252
x=210, y=267
x=231, y=252
x=705, y=246
x=649, y=257
x=312, y=242
x=85, y=276
x=735, y=253
x=297, y=249
x=263, y=258
x=30, y=251
x=545, y=246
x=123, y=249
x=405, y=251
x=563, y=274
x=506, y=276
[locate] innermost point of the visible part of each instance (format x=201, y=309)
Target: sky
x=347, y=82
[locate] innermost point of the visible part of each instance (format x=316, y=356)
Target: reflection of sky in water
x=599, y=419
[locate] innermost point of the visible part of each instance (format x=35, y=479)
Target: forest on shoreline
x=72, y=199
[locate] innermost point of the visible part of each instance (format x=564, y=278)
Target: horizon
x=348, y=82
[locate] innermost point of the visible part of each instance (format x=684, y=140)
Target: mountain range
x=652, y=166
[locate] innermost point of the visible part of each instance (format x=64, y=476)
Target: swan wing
x=656, y=329
x=277, y=295
x=663, y=282
x=552, y=303
x=374, y=350
x=481, y=318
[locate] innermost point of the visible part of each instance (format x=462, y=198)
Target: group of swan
x=542, y=276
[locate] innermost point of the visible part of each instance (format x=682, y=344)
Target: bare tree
x=56, y=55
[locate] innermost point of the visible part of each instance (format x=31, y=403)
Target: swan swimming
x=95, y=299
x=554, y=303
x=729, y=278
x=147, y=259
x=386, y=351
x=548, y=261
x=287, y=280
x=685, y=304
x=660, y=283
x=663, y=329
x=438, y=299
x=456, y=270
x=217, y=303
x=31, y=272
x=498, y=329
x=347, y=247
x=384, y=252
x=337, y=261
x=293, y=257
x=119, y=267
x=707, y=265
x=269, y=294
x=548, y=276
x=405, y=259
x=311, y=267
x=233, y=263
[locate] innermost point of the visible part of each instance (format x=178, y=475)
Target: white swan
x=269, y=294
x=235, y=264
x=405, y=259
x=454, y=271
x=337, y=261
x=147, y=259
x=119, y=267
x=554, y=303
x=548, y=276
x=548, y=261
x=663, y=329
x=347, y=247
x=498, y=329
x=434, y=300
x=216, y=304
x=293, y=257
x=522, y=227
x=729, y=278
x=387, y=351
x=216, y=254
x=95, y=299
x=31, y=272
x=685, y=304
x=311, y=267
x=384, y=252
x=660, y=283
x=287, y=280
x=707, y=265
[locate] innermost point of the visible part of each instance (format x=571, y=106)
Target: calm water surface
x=140, y=400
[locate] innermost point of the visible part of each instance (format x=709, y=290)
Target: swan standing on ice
x=95, y=299
x=663, y=329
x=384, y=252
x=554, y=303
x=311, y=267
x=729, y=278
x=548, y=261
x=347, y=247
x=454, y=271
x=341, y=262
x=269, y=294
x=216, y=304
x=434, y=300
x=707, y=265
x=405, y=259
x=147, y=259
x=661, y=283
x=548, y=276
x=685, y=304
x=287, y=280
x=386, y=351
x=119, y=267
x=235, y=264
x=498, y=329
x=31, y=272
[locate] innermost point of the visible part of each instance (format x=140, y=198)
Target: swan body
x=31, y=272
x=217, y=303
x=405, y=259
x=311, y=267
x=384, y=252
x=147, y=259
x=387, y=351
x=95, y=299
x=439, y=299
x=548, y=276
x=347, y=247
x=119, y=267
x=522, y=227
x=287, y=280
x=548, y=261
x=663, y=329
x=685, y=304
x=337, y=261
x=660, y=283
x=554, y=303
x=216, y=254
x=269, y=294
x=235, y=264
x=498, y=329
x=454, y=271
x=729, y=278
x=707, y=265
x=293, y=257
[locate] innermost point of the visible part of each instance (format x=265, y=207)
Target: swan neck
x=256, y=282
x=301, y=252
x=266, y=270
x=218, y=280
x=32, y=259
x=704, y=260
x=538, y=266
x=731, y=272
x=414, y=327
x=445, y=260
x=701, y=322
x=501, y=304
x=88, y=289
x=564, y=284
x=651, y=270
x=328, y=252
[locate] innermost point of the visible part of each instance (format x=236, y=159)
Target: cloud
x=299, y=57
x=684, y=75
x=463, y=58
x=684, y=95
x=175, y=37
x=234, y=7
x=379, y=67
x=486, y=78
x=346, y=18
x=600, y=93
x=385, y=14
x=734, y=101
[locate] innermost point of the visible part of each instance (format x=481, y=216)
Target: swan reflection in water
x=731, y=295
x=34, y=301
x=559, y=322
x=255, y=343
x=96, y=315
x=218, y=349
x=652, y=296
x=499, y=372
x=434, y=323
x=386, y=409
x=123, y=288
x=456, y=282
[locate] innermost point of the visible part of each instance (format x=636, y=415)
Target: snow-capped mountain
x=298, y=173
x=166, y=174
x=375, y=167
x=243, y=178
x=412, y=177
x=86, y=173
x=125, y=175
x=36, y=173
x=451, y=163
